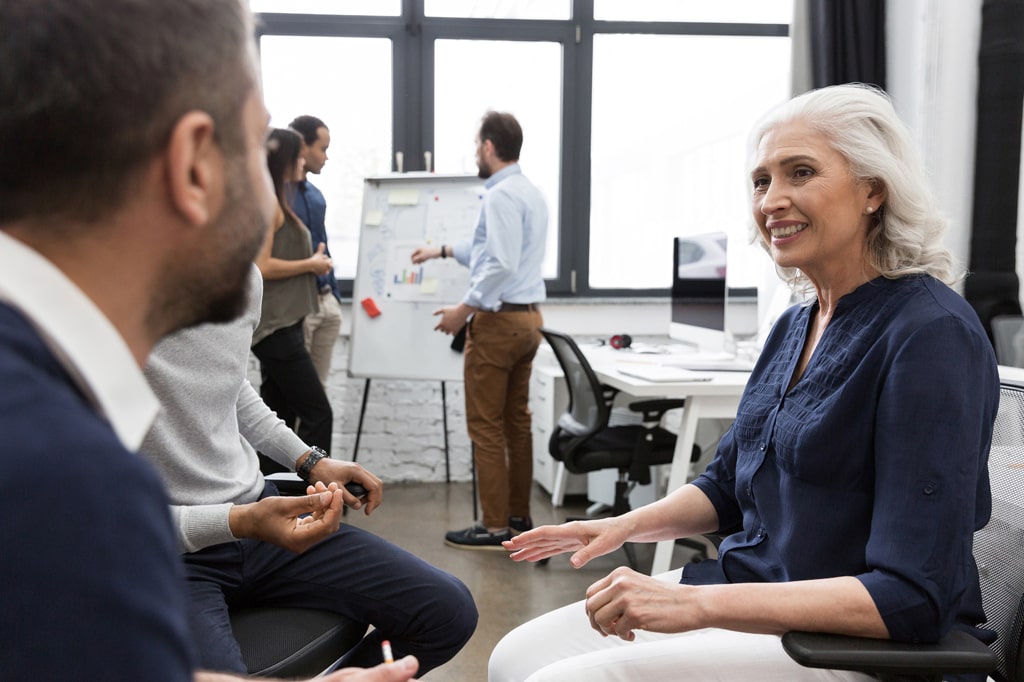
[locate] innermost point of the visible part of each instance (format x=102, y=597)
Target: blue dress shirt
x=873, y=465
x=506, y=252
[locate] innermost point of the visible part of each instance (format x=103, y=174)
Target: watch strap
x=315, y=455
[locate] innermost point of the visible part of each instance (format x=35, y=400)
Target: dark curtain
x=847, y=41
x=993, y=287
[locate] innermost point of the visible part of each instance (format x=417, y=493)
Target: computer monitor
x=698, y=291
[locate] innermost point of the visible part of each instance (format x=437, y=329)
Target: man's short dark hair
x=90, y=91
x=503, y=130
x=307, y=126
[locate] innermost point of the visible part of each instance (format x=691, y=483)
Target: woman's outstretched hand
x=586, y=539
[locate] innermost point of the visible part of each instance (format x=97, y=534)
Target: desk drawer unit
x=549, y=398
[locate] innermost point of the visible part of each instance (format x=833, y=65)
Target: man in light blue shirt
x=503, y=321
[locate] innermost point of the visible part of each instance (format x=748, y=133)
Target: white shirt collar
x=81, y=337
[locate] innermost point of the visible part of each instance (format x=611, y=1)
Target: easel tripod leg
x=472, y=459
x=362, y=414
x=444, y=418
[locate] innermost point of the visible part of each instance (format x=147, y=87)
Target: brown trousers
x=499, y=353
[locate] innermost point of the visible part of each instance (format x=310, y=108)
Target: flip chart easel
x=394, y=301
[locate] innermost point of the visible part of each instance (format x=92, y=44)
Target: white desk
x=715, y=399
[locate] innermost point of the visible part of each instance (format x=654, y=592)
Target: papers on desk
x=660, y=373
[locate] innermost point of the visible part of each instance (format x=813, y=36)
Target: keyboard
x=660, y=373
x=710, y=362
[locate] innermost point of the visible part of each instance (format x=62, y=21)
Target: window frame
x=413, y=36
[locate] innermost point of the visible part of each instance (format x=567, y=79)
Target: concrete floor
x=416, y=517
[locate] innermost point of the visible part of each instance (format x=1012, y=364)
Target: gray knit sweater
x=210, y=421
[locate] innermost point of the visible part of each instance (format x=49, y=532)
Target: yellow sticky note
x=374, y=218
x=404, y=197
x=429, y=286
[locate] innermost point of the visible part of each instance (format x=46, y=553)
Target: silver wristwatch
x=315, y=455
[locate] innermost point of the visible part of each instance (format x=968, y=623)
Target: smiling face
x=809, y=208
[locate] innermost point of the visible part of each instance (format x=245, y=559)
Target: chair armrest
x=955, y=653
x=654, y=410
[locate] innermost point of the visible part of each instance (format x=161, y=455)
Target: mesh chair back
x=588, y=410
x=999, y=546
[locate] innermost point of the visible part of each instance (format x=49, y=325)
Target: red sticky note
x=370, y=307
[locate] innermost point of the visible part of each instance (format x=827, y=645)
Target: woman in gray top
x=290, y=385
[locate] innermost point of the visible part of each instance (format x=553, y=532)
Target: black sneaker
x=520, y=524
x=477, y=537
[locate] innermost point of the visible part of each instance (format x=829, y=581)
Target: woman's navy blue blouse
x=873, y=465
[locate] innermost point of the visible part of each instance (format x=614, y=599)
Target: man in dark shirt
x=321, y=328
x=145, y=203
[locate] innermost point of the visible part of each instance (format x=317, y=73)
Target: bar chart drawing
x=409, y=276
x=422, y=282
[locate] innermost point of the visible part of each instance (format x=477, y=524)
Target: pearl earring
x=870, y=209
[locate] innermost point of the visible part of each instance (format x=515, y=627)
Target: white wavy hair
x=860, y=123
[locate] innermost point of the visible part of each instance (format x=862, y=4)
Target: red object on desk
x=370, y=307
x=620, y=341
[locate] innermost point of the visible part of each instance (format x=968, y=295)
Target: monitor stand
x=697, y=339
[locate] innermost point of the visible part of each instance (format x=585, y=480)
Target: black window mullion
x=574, y=237
x=327, y=25
x=410, y=89
x=691, y=28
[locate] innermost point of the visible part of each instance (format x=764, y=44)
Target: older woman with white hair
x=850, y=485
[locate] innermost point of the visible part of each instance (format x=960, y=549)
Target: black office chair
x=999, y=553
x=292, y=642
x=585, y=442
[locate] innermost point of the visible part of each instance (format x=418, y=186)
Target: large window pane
x=499, y=9
x=670, y=117
x=727, y=11
x=473, y=76
x=347, y=83
x=388, y=8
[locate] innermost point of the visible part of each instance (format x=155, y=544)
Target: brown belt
x=518, y=308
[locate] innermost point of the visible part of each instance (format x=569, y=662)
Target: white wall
x=932, y=65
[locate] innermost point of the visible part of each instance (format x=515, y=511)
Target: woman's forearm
x=279, y=268
x=838, y=605
x=683, y=513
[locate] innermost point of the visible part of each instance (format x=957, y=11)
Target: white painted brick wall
x=403, y=430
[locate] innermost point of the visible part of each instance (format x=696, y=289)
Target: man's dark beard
x=208, y=293
x=232, y=304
